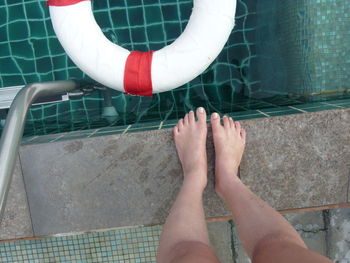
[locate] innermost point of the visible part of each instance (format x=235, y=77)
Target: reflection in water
x=277, y=50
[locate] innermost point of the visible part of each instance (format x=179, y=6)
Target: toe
x=191, y=118
x=238, y=125
x=201, y=115
x=243, y=134
x=232, y=123
x=186, y=119
x=226, y=121
x=215, y=121
x=180, y=124
x=176, y=130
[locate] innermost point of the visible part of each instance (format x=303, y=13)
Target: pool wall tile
x=166, y=124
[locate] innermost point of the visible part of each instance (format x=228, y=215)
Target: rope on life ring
x=143, y=73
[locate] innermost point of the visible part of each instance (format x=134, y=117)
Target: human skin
x=266, y=235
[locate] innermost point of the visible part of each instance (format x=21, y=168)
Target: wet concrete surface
x=292, y=161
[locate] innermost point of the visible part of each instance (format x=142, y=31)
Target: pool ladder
x=15, y=121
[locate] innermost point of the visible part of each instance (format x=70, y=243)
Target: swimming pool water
x=280, y=53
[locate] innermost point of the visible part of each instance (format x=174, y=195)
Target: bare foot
x=190, y=140
x=229, y=141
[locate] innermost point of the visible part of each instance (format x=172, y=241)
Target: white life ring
x=206, y=33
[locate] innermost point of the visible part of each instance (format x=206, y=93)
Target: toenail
x=231, y=119
x=215, y=115
x=201, y=110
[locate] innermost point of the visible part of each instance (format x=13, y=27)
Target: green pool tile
x=141, y=129
x=321, y=108
x=170, y=122
x=247, y=117
x=343, y=102
x=309, y=105
x=154, y=125
x=35, y=140
x=325, y=105
x=111, y=129
x=106, y=133
x=29, y=138
x=17, y=31
x=80, y=133
x=63, y=138
x=282, y=99
x=246, y=114
x=54, y=138
x=279, y=111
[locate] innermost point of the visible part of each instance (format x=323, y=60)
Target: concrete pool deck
x=292, y=162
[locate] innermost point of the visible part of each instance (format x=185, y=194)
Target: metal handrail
x=14, y=126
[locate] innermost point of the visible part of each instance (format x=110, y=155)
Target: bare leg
x=265, y=234
x=185, y=235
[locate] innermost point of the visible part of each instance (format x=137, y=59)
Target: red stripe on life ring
x=137, y=74
x=63, y=2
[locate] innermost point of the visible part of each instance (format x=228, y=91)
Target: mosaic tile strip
x=166, y=124
x=132, y=245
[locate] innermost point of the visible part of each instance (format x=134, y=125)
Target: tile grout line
x=127, y=128
x=280, y=111
x=32, y=139
x=294, y=108
x=346, y=104
x=93, y=133
x=160, y=125
x=263, y=113
x=337, y=106
x=246, y=115
x=58, y=137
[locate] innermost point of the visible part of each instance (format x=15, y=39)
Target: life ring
x=143, y=73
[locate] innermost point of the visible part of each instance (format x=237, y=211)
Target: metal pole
x=14, y=126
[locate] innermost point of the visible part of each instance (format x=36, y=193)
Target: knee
x=276, y=243
x=192, y=251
